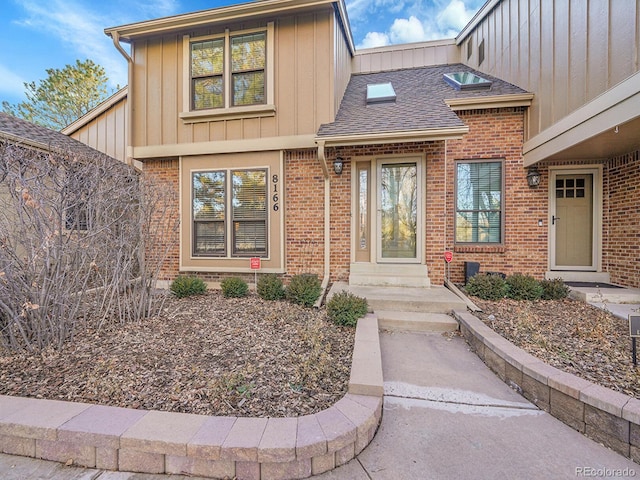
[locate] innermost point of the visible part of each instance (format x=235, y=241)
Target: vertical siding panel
x=138, y=92
x=171, y=71
x=305, y=87
x=200, y=132
x=535, y=45
x=251, y=128
x=597, y=48
x=561, y=59
x=216, y=131
x=154, y=92
x=286, y=76
x=234, y=129
x=621, y=37
x=523, y=45
x=546, y=63
x=324, y=73
x=111, y=134
x=578, y=53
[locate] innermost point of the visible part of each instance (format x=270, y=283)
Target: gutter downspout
x=115, y=36
x=327, y=220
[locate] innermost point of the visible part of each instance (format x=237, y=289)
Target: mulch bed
x=204, y=354
x=570, y=335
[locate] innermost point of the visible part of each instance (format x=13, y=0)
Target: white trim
x=597, y=207
x=229, y=146
x=497, y=101
x=455, y=133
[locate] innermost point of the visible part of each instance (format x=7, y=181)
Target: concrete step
x=409, y=299
x=416, y=321
x=389, y=275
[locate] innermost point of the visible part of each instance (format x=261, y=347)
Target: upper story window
x=229, y=72
x=479, y=202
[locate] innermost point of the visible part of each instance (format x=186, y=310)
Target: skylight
x=466, y=81
x=380, y=92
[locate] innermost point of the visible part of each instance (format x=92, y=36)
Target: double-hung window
x=229, y=70
x=229, y=211
x=479, y=202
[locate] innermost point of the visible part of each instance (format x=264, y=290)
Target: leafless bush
x=73, y=237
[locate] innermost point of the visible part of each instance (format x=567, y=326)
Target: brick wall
x=163, y=244
x=304, y=220
x=498, y=134
x=621, y=249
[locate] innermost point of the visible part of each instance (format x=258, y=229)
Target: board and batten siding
x=303, y=81
x=107, y=132
x=568, y=52
x=411, y=55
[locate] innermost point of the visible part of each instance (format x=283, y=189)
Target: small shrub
x=486, y=287
x=270, y=287
x=345, y=308
x=554, y=289
x=234, y=287
x=304, y=289
x=184, y=286
x=523, y=287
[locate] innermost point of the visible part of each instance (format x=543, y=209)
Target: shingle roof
x=18, y=130
x=420, y=102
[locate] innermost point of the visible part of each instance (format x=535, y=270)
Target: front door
x=398, y=207
x=572, y=221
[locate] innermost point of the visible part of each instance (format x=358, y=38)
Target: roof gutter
x=392, y=137
x=205, y=17
x=498, y=101
x=129, y=160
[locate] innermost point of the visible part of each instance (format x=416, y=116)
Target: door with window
x=572, y=221
x=398, y=211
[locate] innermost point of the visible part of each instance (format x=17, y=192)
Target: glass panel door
x=398, y=211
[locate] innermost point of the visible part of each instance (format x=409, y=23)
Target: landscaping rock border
x=113, y=438
x=608, y=417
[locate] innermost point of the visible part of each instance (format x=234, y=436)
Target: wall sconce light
x=337, y=165
x=533, y=177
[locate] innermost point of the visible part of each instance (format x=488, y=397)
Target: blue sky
x=36, y=35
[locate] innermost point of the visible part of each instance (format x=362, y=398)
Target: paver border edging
x=114, y=438
x=608, y=417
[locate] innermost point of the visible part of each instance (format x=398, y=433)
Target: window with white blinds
x=230, y=213
x=479, y=204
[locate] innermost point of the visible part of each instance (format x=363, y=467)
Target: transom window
x=479, y=207
x=229, y=211
x=228, y=71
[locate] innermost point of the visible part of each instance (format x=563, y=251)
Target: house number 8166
x=275, y=197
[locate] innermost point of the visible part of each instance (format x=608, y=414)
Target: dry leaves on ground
x=570, y=335
x=204, y=354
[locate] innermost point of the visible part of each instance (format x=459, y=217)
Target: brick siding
x=621, y=247
x=493, y=134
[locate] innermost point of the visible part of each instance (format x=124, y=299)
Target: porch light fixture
x=533, y=177
x=337, y=165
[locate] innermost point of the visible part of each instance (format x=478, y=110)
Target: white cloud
x=424, y=19
x=374, y=39
x=10, y=82
x=454, y=17
x=407, y=30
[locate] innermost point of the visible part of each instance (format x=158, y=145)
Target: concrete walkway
x=446, y=416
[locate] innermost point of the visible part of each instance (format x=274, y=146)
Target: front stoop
x=408, y=308
x=112, y=438
x=389, y=275
x=416, y=321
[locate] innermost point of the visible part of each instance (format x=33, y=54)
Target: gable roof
x=423, y=109
x=22, y=132
x=241, y=11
